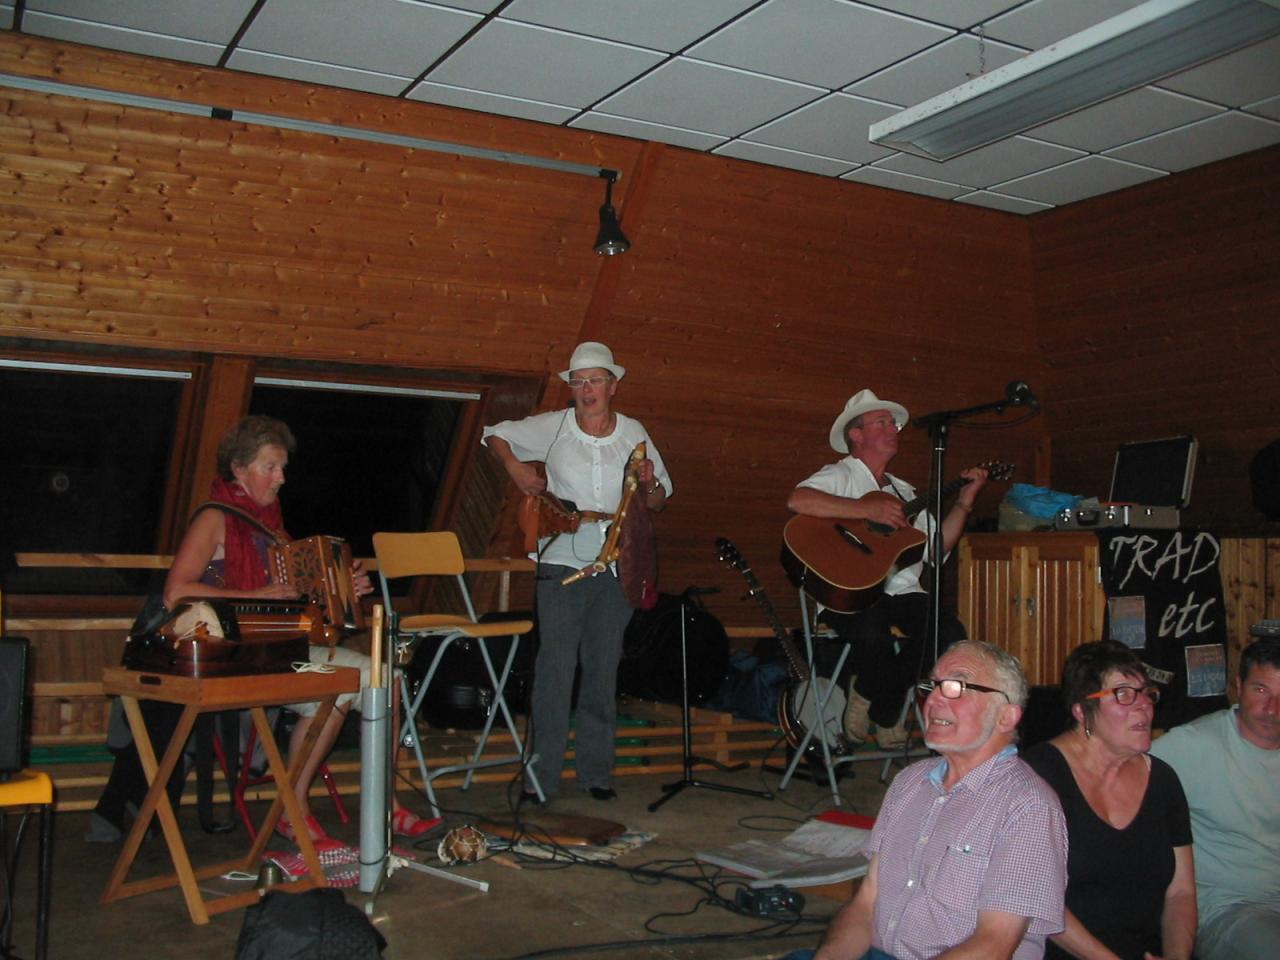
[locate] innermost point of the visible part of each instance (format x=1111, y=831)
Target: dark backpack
x=315, y=925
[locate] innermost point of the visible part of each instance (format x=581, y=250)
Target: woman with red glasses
x=1131, y=881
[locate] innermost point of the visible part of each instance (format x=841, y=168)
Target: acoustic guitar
x=798, y=705
x=843, y=563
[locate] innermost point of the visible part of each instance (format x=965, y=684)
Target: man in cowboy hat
x=883, y=662
x=585, y=449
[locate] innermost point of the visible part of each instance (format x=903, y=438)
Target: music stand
x=669, y=790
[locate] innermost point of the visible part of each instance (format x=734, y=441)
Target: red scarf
x=242, y=567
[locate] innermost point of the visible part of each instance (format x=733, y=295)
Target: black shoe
x=602, y=793
x=529, y=798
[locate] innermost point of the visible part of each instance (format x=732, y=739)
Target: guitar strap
x=896, y=492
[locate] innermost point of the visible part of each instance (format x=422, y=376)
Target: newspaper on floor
x=817, y=853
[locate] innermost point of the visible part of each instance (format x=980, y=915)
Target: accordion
x=219, y=638
x=320, y=568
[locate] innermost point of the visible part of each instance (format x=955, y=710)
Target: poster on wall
x=1164, y=600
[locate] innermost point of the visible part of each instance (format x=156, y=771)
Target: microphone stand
x=669, y=790
x=939, y=425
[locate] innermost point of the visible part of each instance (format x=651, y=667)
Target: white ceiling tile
x=640, y=130
x=308, y=71
x=777, y=157
x=1000, y=161
x=954, y=13
x=668, y=25
x=704, y=96
x=1234, y=80
x=1267, y=108
x=385, y=36
x=1214, y=139
x=768, y=97
x=119, y=38
x=519, y=60
x=491, y=103
x=879, y=177
x=1123, y=119
x=826, y=42
x=186, y=19
x=984, y=198
x=1086, y=177
x=935, y=70
x=1041, y=22
x=835, y=126
x=476, y=6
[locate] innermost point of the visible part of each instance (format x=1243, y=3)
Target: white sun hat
x=864, y=401
x=592, y=354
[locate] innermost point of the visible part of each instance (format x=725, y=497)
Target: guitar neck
x=913, y=507
x=799, y=668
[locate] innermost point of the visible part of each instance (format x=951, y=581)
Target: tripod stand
x=669, y=790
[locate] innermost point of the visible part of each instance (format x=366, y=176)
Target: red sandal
x=406, y=823
x=319, y=838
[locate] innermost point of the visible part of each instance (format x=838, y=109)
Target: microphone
x=1019, y=394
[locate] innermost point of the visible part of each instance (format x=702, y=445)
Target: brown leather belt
x=591, y=516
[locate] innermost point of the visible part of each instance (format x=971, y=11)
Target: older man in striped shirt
x=969, y=851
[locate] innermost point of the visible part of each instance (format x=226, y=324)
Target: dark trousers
x=884, y=663
x=579, y=625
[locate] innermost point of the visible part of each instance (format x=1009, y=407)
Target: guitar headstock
x=998, y=469
x=727, y=552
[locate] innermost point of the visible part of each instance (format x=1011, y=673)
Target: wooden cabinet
x=1036, y=595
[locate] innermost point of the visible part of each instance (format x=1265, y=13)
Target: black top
x=1116, y=879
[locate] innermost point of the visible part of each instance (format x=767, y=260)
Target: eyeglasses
x=1126, y=694
x=881, y=422
x=577, y=383
x=952, y=689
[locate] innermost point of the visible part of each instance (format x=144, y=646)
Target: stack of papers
x=817, y=853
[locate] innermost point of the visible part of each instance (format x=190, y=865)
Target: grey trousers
x=583, y=622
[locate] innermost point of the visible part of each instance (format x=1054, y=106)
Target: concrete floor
x=532, y=909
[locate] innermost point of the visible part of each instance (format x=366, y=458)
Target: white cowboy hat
x=864, y=401
x=592, y=354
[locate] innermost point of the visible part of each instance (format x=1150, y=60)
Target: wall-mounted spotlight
x=610, y=240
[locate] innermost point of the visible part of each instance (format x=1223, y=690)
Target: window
x=369, y=457
x=87, y=450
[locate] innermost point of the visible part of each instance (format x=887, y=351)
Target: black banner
x=1164, y=600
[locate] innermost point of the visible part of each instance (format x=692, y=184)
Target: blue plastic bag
x=1039, y=501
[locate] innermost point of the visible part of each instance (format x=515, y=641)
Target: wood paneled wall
x=1158, y=315
x=753, y=302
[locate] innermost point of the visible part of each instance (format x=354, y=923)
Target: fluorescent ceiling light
x=1140, y=46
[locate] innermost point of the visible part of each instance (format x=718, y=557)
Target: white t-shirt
x=586, y=470
x=851, y=478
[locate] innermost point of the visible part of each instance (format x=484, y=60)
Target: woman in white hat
x=585, y=449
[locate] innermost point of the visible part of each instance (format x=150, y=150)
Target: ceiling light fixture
x=610, y=240
x=1137, y=47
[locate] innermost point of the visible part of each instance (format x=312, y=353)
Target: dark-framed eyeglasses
x=952, y=689
x=577, y=383
x=1126, y=694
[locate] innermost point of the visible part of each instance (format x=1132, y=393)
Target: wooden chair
x=437, y=554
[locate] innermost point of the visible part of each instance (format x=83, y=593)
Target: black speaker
x=13, y=702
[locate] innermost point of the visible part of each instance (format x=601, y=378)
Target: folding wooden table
x=253, y=692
